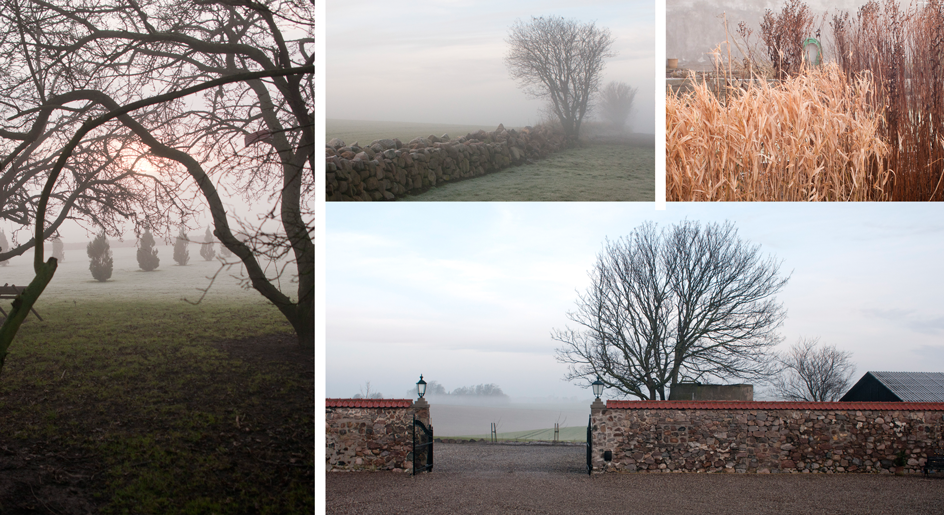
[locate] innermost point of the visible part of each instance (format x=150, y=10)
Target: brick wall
x=766, y=437
x=387, y=168
x=371, y=434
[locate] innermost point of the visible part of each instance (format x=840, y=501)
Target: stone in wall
x=359, y=438
x=767, y=440
x=387, y=168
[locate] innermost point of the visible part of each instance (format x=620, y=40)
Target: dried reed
x=811, y=137
x=904, y=50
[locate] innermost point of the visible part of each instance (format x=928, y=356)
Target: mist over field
x=451, y=419
x=73, y=281
x=444, y=63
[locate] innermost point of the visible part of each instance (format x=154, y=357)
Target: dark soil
x=266, y=446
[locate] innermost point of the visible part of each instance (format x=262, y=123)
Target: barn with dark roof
x=897, y=387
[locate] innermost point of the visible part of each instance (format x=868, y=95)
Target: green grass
x=567, y=434
x=141, y=388
x=364, y=132
x=598, y=172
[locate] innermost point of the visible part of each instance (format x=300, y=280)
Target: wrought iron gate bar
x=590, y=446
x=426, y=432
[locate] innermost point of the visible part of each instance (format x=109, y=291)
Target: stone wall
x=766, y=437
x=371, y=434
x=387, y=168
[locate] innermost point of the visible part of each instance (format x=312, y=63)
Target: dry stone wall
x=823, y=437
x=387, y=168
x=370, y=434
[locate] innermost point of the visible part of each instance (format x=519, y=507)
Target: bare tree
x=812, y=373
x=686, y=303
x=561, y=60
x=616, y=102
x=62, y=63
x=783, y=33
x=368, y=394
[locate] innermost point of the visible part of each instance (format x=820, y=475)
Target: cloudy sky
x=443, y=61
x=468, y=293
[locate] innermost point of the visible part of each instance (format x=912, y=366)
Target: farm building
x=897, y=387
x=711, y=392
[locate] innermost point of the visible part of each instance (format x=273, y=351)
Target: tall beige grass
x=811, y=137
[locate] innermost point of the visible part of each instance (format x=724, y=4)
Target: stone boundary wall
x=368, y=434
x=387, y=168
x=766, y=437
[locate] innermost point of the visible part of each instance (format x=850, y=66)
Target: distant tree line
x=434, y=388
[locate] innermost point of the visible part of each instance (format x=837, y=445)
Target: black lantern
x=421, y=387
x=597, y=387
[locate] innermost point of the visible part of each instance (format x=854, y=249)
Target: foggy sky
x=469, y=293
x=443, y=61
x=694, y=27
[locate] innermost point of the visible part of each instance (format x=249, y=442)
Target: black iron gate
x=422, y=447
x=590, y=446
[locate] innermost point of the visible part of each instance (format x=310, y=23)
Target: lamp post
x=597, y=391
x=421, y=391
x=421, y=387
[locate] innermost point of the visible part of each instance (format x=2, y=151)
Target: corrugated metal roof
x=914, y=386
x=777, y=405
x=368, y=403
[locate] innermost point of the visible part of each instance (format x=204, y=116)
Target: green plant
x=147, y=254
x=181, y=254
x=206, y=250
x=99, y=253
x=900, y=458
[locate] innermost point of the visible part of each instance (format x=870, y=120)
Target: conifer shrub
x=147, y=254
x=99, y=253
x=207, y=250
x=181, y=254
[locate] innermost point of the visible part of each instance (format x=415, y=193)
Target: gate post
x=422, y=443
x=596, y=439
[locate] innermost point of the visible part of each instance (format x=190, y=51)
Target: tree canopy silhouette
x=250, y=134
x=560, y=60
x=689, y=302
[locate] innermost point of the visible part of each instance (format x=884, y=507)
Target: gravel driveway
x=480, y=478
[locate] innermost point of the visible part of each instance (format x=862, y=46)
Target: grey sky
x=696, y=27
x=443, y=61
x=468, y=293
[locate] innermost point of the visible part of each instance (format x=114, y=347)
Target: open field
x=170, y=282
x=566, y=434
x=499, y=479
x=364, y=132
x=127, y=400
x=531, y=421
x=595, y=172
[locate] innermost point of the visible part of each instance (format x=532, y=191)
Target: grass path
x=601, y=172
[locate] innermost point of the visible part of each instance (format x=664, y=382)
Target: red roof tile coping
x=368, y=403
x=777, y=405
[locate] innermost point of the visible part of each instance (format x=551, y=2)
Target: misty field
x=125, y=399
x=364, y=132
x=169, y=281
x=515, y=421
x=595, y=172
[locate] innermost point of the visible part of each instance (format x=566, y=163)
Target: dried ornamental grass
x=812, y=137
